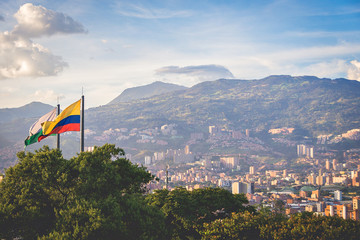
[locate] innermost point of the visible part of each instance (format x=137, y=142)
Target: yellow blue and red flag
x=67, y=120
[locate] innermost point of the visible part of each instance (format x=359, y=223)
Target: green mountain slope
x=306, y=102
x=155, y=88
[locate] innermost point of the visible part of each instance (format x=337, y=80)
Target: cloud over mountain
x=20, y=56
x=195, y=74
x=354, y=70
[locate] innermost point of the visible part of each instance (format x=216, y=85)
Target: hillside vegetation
x=306, y=102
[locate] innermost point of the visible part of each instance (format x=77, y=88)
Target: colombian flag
x=67, y=120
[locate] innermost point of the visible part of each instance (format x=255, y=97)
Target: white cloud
x=190, y=75
x=139, y=11
x=48, y=96
x=6, y=92
x=354, y=70
x=37, y=21
x=334, y=68
x=20, y=57
x=313, y=53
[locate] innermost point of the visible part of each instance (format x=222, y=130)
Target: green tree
x=95, y=195
x=267, y=225
x=187, y=211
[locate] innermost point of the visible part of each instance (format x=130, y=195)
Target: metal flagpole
x=82, y=124
x=58, y=135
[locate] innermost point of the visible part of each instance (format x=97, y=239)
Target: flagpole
x=82, y=125
x=58, y=135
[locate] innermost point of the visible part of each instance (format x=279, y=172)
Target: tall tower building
x=242, y=187
x=312, y=179
x=334, y=163
x=285, y=173
x=252, y=170
x=327, y=164
x=338, y=195
x=187, y=149
x=356, y=202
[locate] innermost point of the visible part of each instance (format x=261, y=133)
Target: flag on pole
x=68, y=120
x=35, y=131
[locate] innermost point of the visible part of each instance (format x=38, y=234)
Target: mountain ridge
x=274, y=101
x=313, y=106
x=145, y=91
x=30, y=110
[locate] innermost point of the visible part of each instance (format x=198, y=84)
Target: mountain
x=311, y=105
x=155, y=88
x=34, y=109
x=317, y=105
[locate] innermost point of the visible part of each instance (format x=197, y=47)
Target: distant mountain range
x=311, y=105
x=305, y=102
x=30, y=110
x=153, y=89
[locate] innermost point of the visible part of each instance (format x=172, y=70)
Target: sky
x=52, y=51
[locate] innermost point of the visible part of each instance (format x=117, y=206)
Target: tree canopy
x=266, y=225
x=186, y=211
x=95, y=195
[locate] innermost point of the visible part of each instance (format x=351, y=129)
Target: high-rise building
x=229, y=162
x=243, y=187
x=285, y=173
x=331, y=211
x=320, y=206
x=356, y=179
x=187, y=149
x=159, y=156
x=252, y=170
x=310, y=152
x=320, y=180
x=312, y=179
x=236, y=187
x=327, y=164
x=147, y=160
x=329, y=180
x=344, y=212
x=338, y=195
x=356, y=203
x=334, y=163
x=303, y=150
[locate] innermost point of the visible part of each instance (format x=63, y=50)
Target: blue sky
x=51, y=49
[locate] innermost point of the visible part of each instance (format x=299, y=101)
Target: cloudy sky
x=49, y=50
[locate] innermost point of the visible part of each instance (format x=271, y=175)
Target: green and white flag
x=36, y=130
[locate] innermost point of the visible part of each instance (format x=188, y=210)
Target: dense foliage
x=265, y=225
x=96, y=195
x=100, y=195
x=187, y=211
